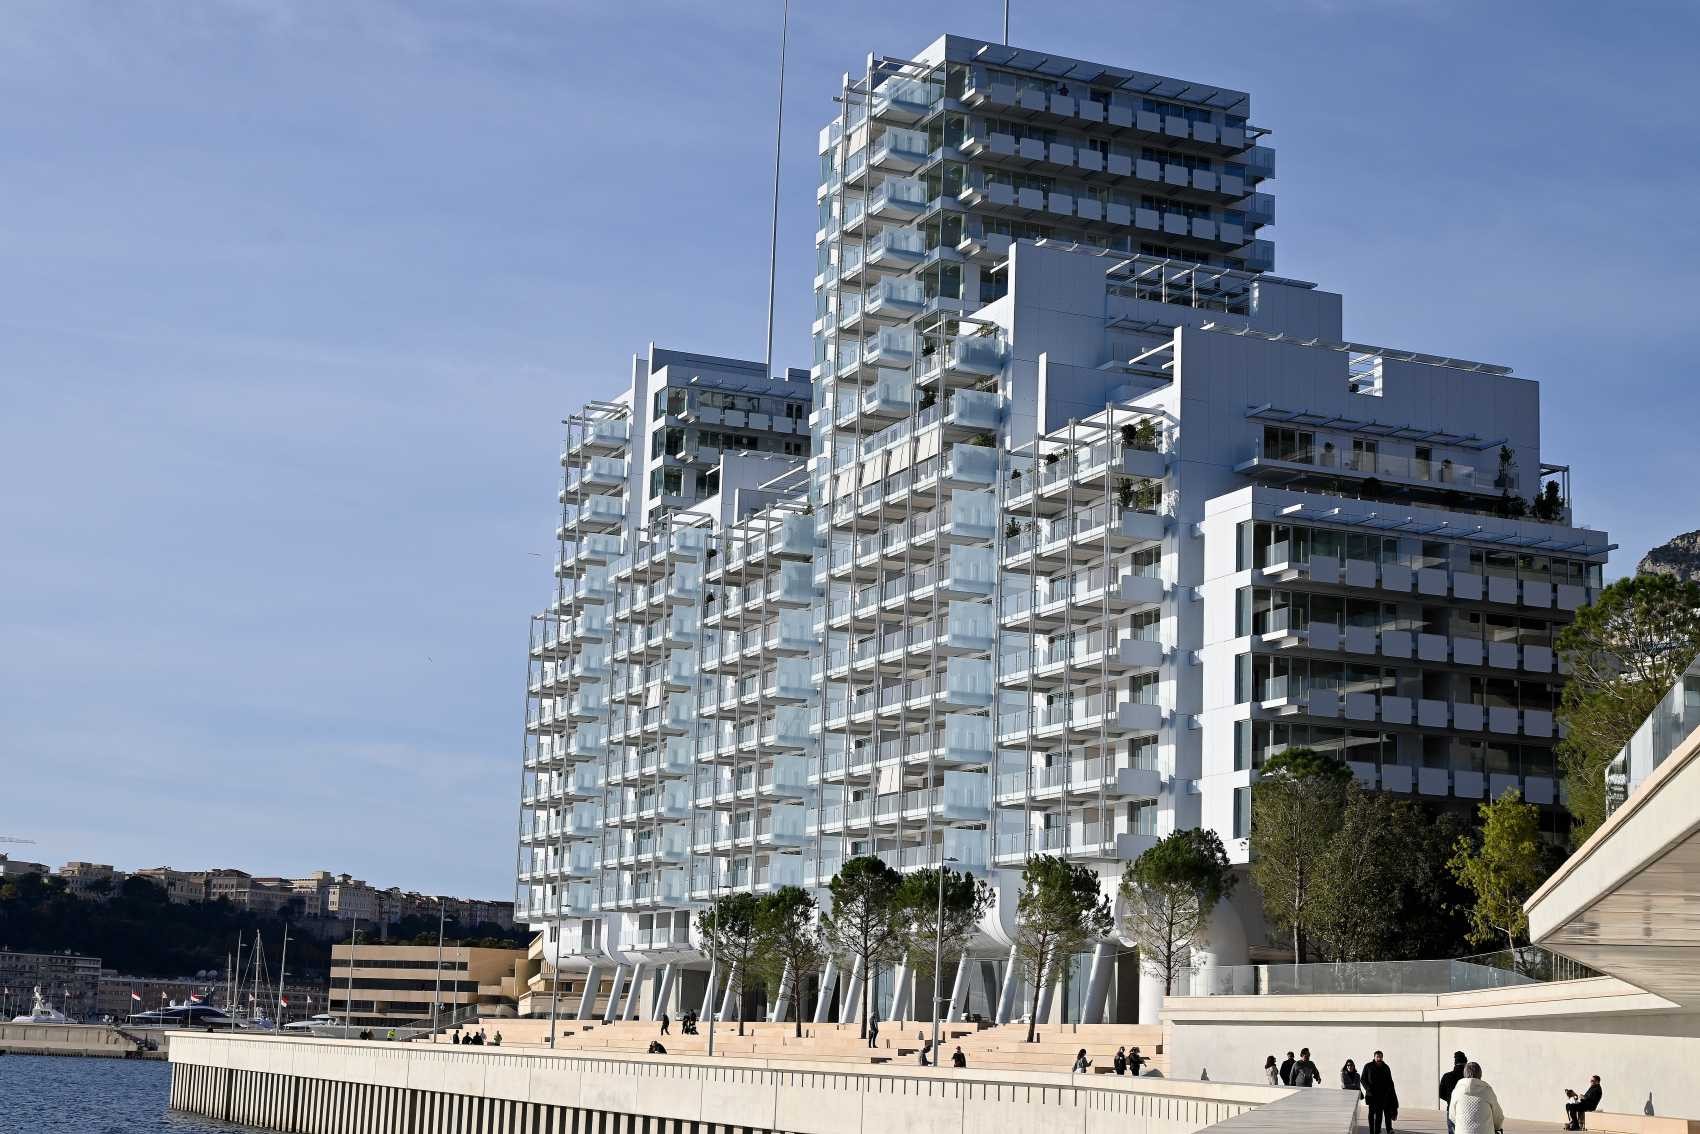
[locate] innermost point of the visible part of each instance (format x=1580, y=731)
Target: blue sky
x=295, y=295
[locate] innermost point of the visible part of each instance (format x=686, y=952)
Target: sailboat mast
x=282, y=958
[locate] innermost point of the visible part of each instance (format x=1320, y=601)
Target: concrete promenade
x=355, y=1087
x=1531, y=1040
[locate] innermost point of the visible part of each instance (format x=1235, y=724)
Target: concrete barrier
x=96, y=1040
x=355, y=1087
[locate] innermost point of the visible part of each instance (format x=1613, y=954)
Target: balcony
x=895, y=300
x=978, y=411
x=974, y=356
x=607, y=435
x=903, y=100
x=971, y=465
x=896, y=250
x=900, y=150
x=601, y=513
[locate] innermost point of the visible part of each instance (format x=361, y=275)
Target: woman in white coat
x=1474, y=1108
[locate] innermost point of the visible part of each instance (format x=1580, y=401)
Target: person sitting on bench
x=1580, y=1105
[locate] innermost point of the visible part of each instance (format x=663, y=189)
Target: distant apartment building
x=397, y=984
x=90, y=879
x=69, y=982
x=180, y=886
x=12, y=867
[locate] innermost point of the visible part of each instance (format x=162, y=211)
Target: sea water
x=43, y=1094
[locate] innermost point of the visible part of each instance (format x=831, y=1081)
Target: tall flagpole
x=778, y=139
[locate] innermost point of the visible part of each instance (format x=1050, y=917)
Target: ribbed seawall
x=352, y=1087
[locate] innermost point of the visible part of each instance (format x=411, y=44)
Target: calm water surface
x=57, y=1095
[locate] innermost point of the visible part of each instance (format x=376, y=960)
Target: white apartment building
x=1086, y=529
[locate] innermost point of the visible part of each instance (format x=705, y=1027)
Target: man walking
x=1449, y=1083
x=1287, y=1070
x=1305, y=1072
x=873, y=1029
x=1379, y=1095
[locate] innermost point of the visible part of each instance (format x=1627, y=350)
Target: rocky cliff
x=1679, y=557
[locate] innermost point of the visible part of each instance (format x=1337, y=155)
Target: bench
x=1610, y=1122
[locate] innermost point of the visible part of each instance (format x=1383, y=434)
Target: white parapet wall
x=1532, y=1041
x=355, y=1087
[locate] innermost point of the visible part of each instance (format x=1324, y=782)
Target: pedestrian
x=656, y=1048
x=1272, y=1072
x=1287, y=1070
x=1306, y=1073
x=1582, y=1104
x=1448, y=1082
x=1135, y=1061
x=665, y=1023
x=926, y=1049
x=1379, y=1094
x=456, y=1040
x=873, y=1029
x=496, y=1040
x=1350, y=1080
x=1081, y=1063
x=1474, y=1108
x=957, y=1059
x=1120, y=1061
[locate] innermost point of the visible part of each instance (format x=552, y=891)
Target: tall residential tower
x=1080, y=514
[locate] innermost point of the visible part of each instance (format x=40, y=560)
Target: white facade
x=1066, y=559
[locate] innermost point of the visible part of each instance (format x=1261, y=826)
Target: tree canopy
x=1297, y=807
x=788, y=941
x=966, y=900
x=865, y=923
x=1501, y=866
x=1624, y=651
x=1059, y=911
x=728, y=930
x=1168, y=894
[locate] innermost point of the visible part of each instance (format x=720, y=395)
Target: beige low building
x=397, y=984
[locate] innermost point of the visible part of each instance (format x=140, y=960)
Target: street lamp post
x=437, y=992
x=938, y=960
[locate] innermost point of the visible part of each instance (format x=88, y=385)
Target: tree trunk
x=864, y=990
x=797, y=1001
x=1038, y=988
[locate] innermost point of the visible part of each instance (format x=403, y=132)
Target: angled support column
x=729, y=1002
x=776, y=1010
x=612, y=1011
x=708, y=992
x=901, y=986
x=632, y=997
x=850, y=1006
x=1011, y=988
x=663, y=990
x=1047, y=987
x=587, y=1001
x=828, y=978
x=959, y=990
x=1098, y=983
